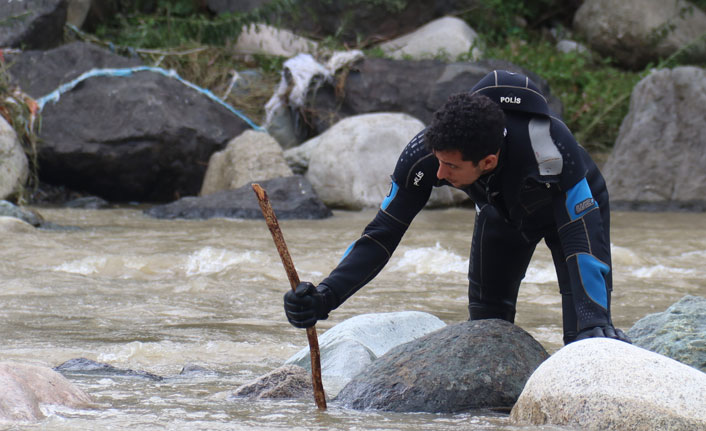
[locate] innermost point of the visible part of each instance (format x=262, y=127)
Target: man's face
x=461, y=173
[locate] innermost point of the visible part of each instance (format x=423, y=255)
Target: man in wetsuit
x=529, y=179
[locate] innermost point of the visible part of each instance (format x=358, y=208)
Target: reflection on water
x=156, y=295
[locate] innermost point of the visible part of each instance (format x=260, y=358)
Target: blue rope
x=56, y=94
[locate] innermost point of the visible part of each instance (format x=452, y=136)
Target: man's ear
x=488, y=163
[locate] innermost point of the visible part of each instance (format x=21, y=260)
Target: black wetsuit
x=545, y=186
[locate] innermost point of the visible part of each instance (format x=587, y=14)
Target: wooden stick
x=276, y=232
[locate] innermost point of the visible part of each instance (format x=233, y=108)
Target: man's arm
x=583, y=232
x=366, y=257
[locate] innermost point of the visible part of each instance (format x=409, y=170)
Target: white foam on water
x=430, y=260
x=209, y=260
x=661, y=271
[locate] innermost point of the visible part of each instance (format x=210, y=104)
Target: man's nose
x=441, y=172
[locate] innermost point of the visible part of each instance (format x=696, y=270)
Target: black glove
x=307, y=304
x=603, y=332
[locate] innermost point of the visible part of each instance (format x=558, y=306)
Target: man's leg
x=499, y=259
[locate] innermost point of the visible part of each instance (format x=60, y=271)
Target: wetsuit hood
x=512, y=91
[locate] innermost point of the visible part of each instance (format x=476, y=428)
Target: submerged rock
x=470, y=365
x=678, y=333
x=25, y=388
x=605, y=384
x=350, y=347
x=288, y=381
x=88, y=366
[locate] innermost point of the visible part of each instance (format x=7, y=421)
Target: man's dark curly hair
x=472, y=124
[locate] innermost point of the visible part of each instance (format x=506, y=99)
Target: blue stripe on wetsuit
x=394, y=188
x=579, y=201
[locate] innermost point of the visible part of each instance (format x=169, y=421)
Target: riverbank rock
x=444, y=38
x=349, y=165
x=351, y=346
x=605, y=384
x=268, y=40
x=285, y=382
x=32, y=24
x=470, y=365
x=659, y=161
x=14, y=166
x=291, y=198
x=636, y=32
x=679, y=332
x=417, y=88
x=84, y=366
x=26, y=388
x=142, y=137
x=39, y=73
x=252, y=156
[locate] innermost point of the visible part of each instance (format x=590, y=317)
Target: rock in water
x=24, y=388
x=605, y=384
x=288, y=381
x=470, y=365
x=350, y=347
x=679, y=332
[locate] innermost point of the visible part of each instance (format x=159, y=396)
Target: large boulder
x=32, y=24
x=39, y=73
x=636, y=32
x=142, y=136
x=679, y=332
x=25, y=388
x=349, y=165
x=252, y=156
x=444, y=38
x=417, y=88
x=465, y=366
x=291, y=198
x=14, y=167
x=605, y=384
x=659, y=158
x=350, y=347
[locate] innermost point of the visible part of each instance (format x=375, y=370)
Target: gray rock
x=288, y=381
x=666, y=117
x=14, y=166
x=252, y=156
x=679, y=332
x=32, y=24
x=351, y=346
x=470, y=365
x=140, y=137
x=417, y=88
x=605, y=384
x=85, y=366
x=8, y=209
x=445, y=38
x=349, y=165
x=636, y=32
x=38, y=72
x=291, y=198
x=26, y=387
